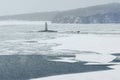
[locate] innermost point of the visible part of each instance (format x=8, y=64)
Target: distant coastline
x=107, y=13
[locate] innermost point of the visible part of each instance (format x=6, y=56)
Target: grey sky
x=8, y=7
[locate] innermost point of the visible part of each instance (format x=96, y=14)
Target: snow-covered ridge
x=20, y=22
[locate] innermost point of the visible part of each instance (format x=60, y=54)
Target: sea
x=24, y=37
x=26, y=53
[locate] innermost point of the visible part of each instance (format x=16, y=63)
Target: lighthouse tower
x=46, y=26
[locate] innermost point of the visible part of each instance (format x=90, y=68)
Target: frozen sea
x=25, y=39
x=29, y=54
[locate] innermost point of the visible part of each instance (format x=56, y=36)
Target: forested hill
x=107, y=13
x=38, y=16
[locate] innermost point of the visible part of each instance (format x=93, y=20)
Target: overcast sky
x=8, y=7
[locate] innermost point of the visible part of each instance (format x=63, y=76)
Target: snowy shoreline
x=90, y=47
x=98, y=75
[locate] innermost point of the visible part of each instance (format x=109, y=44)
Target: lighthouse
x=46, y=29
x=46, y=26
